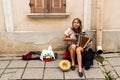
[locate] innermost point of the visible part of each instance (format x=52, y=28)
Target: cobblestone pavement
x=13, y=68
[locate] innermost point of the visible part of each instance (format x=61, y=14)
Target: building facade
x=27, y=25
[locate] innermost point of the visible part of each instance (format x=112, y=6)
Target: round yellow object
x=64, y=65
x=47, y=57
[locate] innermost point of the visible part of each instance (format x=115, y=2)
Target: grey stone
x=95, y=64
x=105, y=62
x=17, y=58
x=118, y=79
x=73, y=75
x=111, y=55
x=53, y=63
x=4, y=64
x=114, y=61
x=12, y=74
x=60, y=56
x=94, y=73
x=108, y=68
x=102, y=68
x=5, y=58
x=35, y=63
x=117, y=69
x=1, y=71
x=17, y=64
x=113, y=74
x=59, y=52
x=53, y=73
x=33, y=73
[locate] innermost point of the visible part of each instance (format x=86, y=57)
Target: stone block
x=53, y=74
x=4, y=64
x=35, y=63
x=114, y=61
x=33, y=74
x=12, y=74
x=108, y=68
x=94, y=73
x=117, y=69
x=52, y=63
x=17, y=64
x=73, y=75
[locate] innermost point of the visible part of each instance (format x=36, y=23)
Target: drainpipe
x=8, y=15
x=99, y=26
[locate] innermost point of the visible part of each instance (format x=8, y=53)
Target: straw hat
x=64, y=65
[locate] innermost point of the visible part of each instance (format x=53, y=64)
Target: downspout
x=8, y=15
x=99, y=26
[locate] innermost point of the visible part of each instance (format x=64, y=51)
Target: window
x=48, y=6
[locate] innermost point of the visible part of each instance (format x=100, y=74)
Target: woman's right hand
x=73, y=38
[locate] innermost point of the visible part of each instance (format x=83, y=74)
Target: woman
x=70, y=35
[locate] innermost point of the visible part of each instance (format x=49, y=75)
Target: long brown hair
x=79, y=30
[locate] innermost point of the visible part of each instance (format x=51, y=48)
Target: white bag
x=47, y=54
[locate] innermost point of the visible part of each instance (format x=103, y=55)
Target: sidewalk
x=13, y=68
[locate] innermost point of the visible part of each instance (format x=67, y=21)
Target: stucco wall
x=111, y=23
x=2, y=25
x=37, y=33
x=23, y=42
x=24, y=23
x=111, y=15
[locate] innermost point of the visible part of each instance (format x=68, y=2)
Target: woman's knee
x=79, y=49
x=72, y=47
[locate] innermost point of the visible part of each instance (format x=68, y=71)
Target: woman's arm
x=69, y=38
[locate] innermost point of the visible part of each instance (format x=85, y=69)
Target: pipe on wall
x=99, y=26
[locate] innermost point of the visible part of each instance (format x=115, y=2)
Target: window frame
x=46, y=14
x=48, y=6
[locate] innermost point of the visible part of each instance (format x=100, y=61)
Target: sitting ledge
x=48, y=14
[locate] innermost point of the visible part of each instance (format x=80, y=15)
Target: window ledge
x=48, y=14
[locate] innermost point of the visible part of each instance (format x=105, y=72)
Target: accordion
x=82, y=41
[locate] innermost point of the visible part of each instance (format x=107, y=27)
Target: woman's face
x=76, y=24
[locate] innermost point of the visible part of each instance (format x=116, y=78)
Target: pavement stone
x=113, y=74
x=94, y=73
x=35, y=63
x=17, y=64
x=111, y=55
x=1, y=71
x=95, y=64
x=114, y=61
x=53, y=73
x=33, y=73
x=108, y=68
x=118, y=79
x=52, y=63
x=13, y=68
x=10, y=74
x=4, y=64
x=117, y=69
x=2, y=58
x=73, y=75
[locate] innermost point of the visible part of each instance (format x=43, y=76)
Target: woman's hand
x=72, y=37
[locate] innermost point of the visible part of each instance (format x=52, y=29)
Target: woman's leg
x=72, y=54
x=79, y=58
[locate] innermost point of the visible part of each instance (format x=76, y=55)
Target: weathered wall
x=24, y=23
x=111, y=15
x=36, y=33
x=21, y=42
x=2, y=25
x=111, y=23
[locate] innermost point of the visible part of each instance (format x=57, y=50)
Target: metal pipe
x=99, y=26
